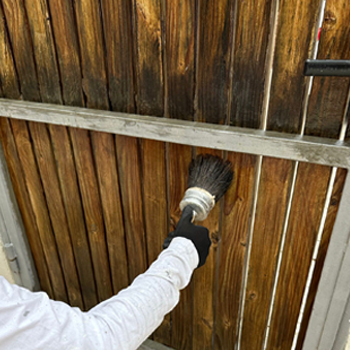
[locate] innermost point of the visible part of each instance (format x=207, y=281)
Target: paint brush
x=209, y=177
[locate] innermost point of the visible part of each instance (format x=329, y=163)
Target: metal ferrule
x=201, y=201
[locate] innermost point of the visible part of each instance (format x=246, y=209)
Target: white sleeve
x=33, y=321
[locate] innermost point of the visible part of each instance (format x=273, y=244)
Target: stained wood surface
x=117, y=197
x=327, y=233
x=329, y=94
x=181, y=331
x=293, y=44
x=18, y=182
x=68, y=184
x=38, y=203
x=213, y=60
x=88, y=185
x=272, y=201
x=233, y=241
x=301, y=236
x=249, y=54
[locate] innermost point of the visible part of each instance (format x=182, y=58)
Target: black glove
x=199, y=235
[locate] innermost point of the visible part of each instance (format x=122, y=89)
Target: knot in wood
x=329, y=20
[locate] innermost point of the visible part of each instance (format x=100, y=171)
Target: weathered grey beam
x=267, y=143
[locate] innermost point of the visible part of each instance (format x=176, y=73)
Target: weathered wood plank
x=204, y=279
x=232, y=247
x=48, y=174
x=117, y=34
x=23, y=200
x=38, y=203
x=91, y=45
x=22, y=50
x=8, y=76
x=327, y=233
x=249, y=55
x=213, y=60
x=67, y=50
x=269, y=219
x=93, y=211
x=107, y=175
x=44, y=50
x=130, y=187
x=178, y=160
x=73, y=207
x=293, y=44
x=329, y=94
x=306, y=211
x=180, y=58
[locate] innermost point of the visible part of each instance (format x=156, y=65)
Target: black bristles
x=210, y=173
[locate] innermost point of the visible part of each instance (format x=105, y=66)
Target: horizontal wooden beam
x=266, y=143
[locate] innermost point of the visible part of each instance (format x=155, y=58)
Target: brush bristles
x=210, y=173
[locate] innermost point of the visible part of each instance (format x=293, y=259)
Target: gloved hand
x=199, y=235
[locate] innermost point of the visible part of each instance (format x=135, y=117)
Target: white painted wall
x=4, y=266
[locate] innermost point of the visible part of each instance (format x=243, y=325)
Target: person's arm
x=33, y=321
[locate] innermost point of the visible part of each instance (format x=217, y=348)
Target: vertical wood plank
x=38, y=203
x=72, y=202
x=329, y=94
x=180, y=56
x=47, y=169
x=67, y=51
x=8, y=75
x=44, y=50
x=130, y=187
x=204, y=280
x=179, y=159
x=293, y=43
x=235, y=223
x=213, y=60
x=301, y=236
x=21, y=44
x=249, y=47
x=118, y=37
x=327, y=233
x=88, y=184
x=105, y=158
x=18, y=182
x=268, y=228
x=92, y=53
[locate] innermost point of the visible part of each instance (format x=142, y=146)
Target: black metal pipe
x=331, y=68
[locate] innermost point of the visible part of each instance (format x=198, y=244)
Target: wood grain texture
x=329, y=94
x=249, y=47
x=180, y=58
x=44, y=50
x=296, y=25
x=48, y=174
x=91, y=45
x=148, y=51
x=232, y=248
x=68, y=184
x=67, y=51
x=327, y=233
x=130, y=187
x=273, y=195
x=39, y=206
x=107, y=175
x=88, y=185
x=179, y=158
x=310, y=191
x=23, y=200
x=22, y=50
x=204, y=279
x=8, y=76
x=213, y=60
x=118, y=38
